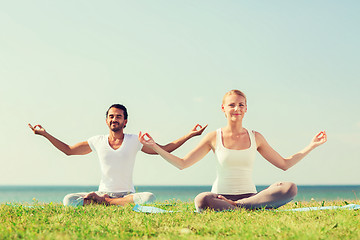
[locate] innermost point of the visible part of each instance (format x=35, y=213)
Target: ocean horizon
x=55, y=194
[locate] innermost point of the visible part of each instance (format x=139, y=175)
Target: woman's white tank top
x=234, y=168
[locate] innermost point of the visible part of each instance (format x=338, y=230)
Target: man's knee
x=143, y=197
x=73, y=200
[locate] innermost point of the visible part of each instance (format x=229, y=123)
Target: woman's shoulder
x=256, y=134
x=259, y=138
x=210, y=135
x=209, y=138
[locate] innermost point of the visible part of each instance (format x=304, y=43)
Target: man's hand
x=197, y=130
x=93, y=198
x=38, y=129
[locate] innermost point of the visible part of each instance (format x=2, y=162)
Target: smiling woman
x=235, y=149
x=234, y=104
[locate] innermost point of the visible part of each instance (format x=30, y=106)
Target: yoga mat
x=149, y=209
x=305, y=209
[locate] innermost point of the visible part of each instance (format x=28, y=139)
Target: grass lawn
x=54, y=221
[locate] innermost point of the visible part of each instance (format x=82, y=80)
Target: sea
x=55, y=194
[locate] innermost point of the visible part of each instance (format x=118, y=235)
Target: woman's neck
x=234, y=127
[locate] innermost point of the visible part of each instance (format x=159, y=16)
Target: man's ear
x=125, y=122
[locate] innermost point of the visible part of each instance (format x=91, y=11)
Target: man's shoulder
x=97, y=138
x=131, y=136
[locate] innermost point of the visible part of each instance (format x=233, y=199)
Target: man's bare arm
x=81, y=148
x=195, y=131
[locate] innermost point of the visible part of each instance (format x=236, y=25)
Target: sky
x=62, y=64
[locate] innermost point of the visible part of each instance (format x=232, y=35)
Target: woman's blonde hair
x=234, y=92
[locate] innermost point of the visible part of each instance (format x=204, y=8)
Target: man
x=116, y=152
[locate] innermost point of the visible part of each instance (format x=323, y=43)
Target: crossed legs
x=276, y=195
x=85, y=198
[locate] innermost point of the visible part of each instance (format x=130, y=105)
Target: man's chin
x=117, y=129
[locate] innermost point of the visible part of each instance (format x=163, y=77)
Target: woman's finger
x=148, y=136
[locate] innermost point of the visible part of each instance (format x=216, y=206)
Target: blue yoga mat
x=305, y=209
x=150, y=209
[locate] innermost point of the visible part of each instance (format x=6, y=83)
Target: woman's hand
x=146, y=140
x=319, y=139
x=227, y=200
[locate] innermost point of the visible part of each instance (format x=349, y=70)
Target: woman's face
x=234, y=106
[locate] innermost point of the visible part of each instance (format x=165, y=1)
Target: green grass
x=53, y=221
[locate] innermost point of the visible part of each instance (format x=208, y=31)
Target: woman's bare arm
x=285, y=163
x=191, y=158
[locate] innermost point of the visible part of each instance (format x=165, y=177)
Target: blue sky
x=170, y=62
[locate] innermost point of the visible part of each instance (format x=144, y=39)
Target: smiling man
x=116, y=152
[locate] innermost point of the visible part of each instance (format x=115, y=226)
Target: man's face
x=115, y=119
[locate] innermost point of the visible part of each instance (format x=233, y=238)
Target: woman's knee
x=288, y=189
x=202, y=199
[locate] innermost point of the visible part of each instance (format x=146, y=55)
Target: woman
x=235, y=148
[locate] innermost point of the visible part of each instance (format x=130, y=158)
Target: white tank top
x=234, y=168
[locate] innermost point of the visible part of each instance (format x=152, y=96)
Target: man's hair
x=118, y=106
